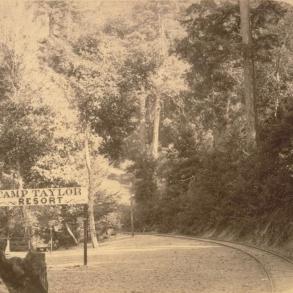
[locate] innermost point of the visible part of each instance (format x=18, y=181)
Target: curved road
x=152, y=264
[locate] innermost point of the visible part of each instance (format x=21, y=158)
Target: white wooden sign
x=43, y=196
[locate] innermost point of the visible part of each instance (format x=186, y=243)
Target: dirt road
x=150, y=264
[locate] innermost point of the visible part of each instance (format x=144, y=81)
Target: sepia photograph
x=146, y=146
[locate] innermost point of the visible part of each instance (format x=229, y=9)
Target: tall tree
x=25, y=130
x=153, y=76
x=61, y=59
x=88, y=161
x=248, y=74
x=88, y=62
x=157, y=103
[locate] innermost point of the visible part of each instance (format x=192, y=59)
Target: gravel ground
x=280, y=271
x=150, y=264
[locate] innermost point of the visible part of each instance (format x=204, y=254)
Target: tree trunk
x=50, y=24
x=92, y=225
x=157, y=110
x=221, y=128
x=248, y=72
x=277, y=75
x=24, y=275
x=25, y=211
x=142, y=122
x=156, y=128
x=71, y=233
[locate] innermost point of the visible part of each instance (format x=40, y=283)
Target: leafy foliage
x=165, y=67
x=205, y=179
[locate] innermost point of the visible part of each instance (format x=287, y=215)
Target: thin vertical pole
x=51, y=239
x=29, y=233
x=131, y=216
x=85, y=234
x=7, y=249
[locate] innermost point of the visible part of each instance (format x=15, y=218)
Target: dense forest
x=191, y=102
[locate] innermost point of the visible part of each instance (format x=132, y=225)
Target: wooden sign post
x=131, y=215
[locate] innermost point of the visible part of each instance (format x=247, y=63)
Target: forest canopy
x=194, y=97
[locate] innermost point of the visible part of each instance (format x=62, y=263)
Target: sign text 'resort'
x=43, y=196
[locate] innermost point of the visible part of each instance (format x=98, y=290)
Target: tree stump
x=27, y=275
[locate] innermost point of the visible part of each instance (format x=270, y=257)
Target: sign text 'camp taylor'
x=43, y=196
